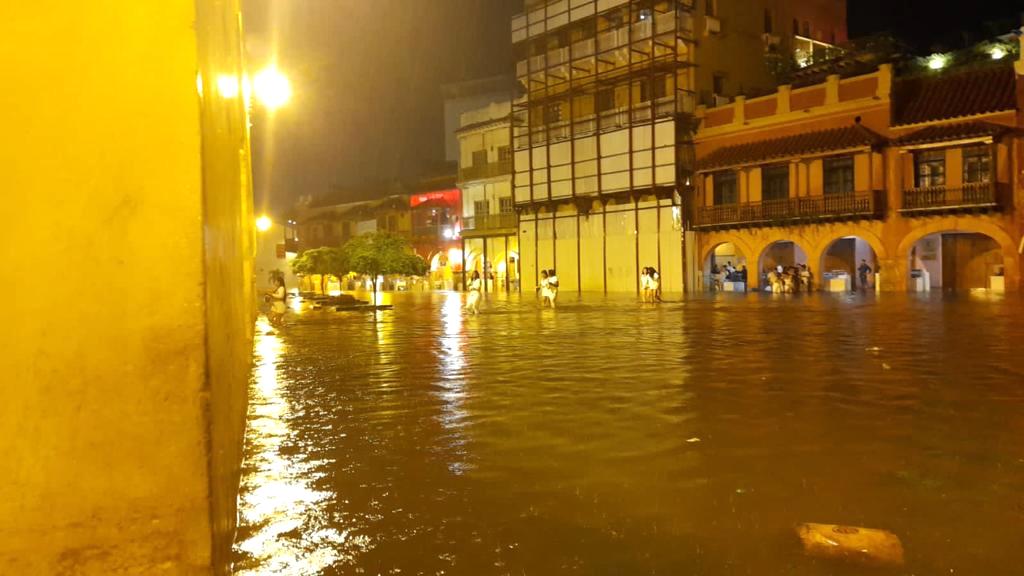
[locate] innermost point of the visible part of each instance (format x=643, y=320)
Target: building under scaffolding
x=602, y=135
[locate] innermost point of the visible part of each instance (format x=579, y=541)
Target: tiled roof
x=966, y=93
x=947, y=132
x=846, y=138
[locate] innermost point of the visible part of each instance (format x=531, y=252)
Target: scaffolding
x=608, y=101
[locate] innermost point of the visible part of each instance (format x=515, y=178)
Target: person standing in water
x=473, y=299
x=862, y=274
x=543, y=289
x=654, y=284
x=645, y=285
x=277, y=298
x=552, y=287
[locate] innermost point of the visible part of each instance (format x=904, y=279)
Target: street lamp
x=263, y=223
x=272, y=88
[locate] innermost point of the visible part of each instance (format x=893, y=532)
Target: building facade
x=917, y=176
x=490, y=240
x=602, y=136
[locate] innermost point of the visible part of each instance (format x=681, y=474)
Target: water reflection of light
x=452, y=361
x=277, y=496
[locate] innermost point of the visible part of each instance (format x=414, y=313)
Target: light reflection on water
x=608, y=437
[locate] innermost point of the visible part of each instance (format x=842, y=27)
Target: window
x=553, y=113
x=838, y=175
x=718, y=84
x=481, y=208
x=645, y=91
x=479, y=157
x=392, y=223
x=977, y=164
x=775, y=183
x=605, y=99
x=930, y=168
x=504, y=153
x=660, y=87
x=807, y=29
x=726, y=191
x=768, y=21
x=645, y=14
x=505, y=205
x=796, y=27
x=711, y=7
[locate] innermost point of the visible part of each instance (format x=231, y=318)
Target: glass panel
x=977, y=164
x=775, y=183
x=839, y=175
x=930, y=168
x=726, y=191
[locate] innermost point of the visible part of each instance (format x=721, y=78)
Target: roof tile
x=845, y=138
x=965, y=93
x=947, y=132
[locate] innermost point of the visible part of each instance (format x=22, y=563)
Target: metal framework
x=570, y=70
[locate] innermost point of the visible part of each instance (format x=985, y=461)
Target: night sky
x=367, y=77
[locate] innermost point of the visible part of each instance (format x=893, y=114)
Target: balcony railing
x=779, y=212
x=938, y=198
x=489, y=170
x=485, y=222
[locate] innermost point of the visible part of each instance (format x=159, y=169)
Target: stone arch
x=715, y=240
x=775, y=237
x=862, y=232
x=1011, y=258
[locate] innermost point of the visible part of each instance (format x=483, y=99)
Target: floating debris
x=852, y=543
x=693, y=440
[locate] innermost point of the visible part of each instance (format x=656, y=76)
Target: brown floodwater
x=609, y=437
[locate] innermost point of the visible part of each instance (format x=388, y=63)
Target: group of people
x=650, y=285
x=789, y=279
x=548, y=288
x=727, y=273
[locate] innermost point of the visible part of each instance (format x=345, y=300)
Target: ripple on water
x=609, y=437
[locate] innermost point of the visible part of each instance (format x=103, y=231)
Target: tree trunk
x=374, y=289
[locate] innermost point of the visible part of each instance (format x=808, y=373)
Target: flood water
x=609, y=437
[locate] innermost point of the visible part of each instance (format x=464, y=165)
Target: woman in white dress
x=645, y=285
x=543, y=290
x=552, y=287
x=473, y=299
x=654, y=284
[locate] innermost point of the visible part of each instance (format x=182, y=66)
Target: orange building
x=918, y=176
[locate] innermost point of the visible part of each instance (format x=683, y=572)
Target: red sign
x=450, y=197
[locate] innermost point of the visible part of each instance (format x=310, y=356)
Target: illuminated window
x=726, y=190
x=930, y=168
x=838, y=175
x=775, y=183
x=977, y=164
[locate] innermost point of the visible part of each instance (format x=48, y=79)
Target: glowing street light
x=263, y=223
x=937, y=61
x=272, y=88
x=997, y=53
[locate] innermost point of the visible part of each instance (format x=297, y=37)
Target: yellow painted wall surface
x=121, y=417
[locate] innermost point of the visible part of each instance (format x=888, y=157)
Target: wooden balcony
x=867, y=205
x=490, y=224
x=489, y=170
x=968, y=197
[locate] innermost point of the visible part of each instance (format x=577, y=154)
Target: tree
x=379, y=253
x=323, y=261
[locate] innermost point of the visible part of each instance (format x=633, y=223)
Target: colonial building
x=916, y=174
x=490, y=240
x=602, y=137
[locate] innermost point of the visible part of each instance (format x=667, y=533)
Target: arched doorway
x=842, y=264
x=780, y=255
x=956, y=261
x=725, y=268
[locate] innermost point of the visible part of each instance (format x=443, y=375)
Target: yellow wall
x=124, y=403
